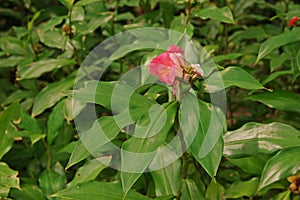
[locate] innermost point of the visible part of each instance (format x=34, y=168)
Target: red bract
x=168, y=65
x=293, y=20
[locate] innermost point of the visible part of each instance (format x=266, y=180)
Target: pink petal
x=175, y=49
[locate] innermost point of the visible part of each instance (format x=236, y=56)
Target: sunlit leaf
x=221, y=14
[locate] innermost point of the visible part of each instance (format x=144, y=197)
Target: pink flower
x=168, y=65
x=293, y=20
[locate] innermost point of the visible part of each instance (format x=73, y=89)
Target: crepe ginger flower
x=293, y=20
x=170, y=64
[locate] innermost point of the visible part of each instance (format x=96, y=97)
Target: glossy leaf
x=253, y=138
x=242, y=188
x=51, y=94
x=38, y=68
x=101, y=190
x=144, y=147
x=73, y=108
x=190, y=190
x=90, y=170
x=221, y=14
x=277, y=41
x=55, y=121
x=280, y=99
x=79, y=153
x=50, y=182
x=282, y=165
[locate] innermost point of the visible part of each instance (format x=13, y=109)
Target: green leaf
x=85, y=2
x=277, y=41
x=73, y=108
x=100, y=190
x=230, y=56
x=142, y=149
x=90, y=170
x=232, y=76
x=167, y=179
x=295, y=62
x=190, y=190
x=251, y=164
x=242, y=188
x=55, y=121
x=9, y=114
x=50, y=182
x=275, y=75
x=67, y=3
x=167, y=9
x=221, y=14
x=79, y=153
x=8, y=177
x=29, y=123
x=52, y=38
x=282, y=196
x=282, y=165
x=280, y=99
x=11, y=61
x=51, y=94
x=207, y=144
x=253, y=138
x=28, y=192
x=36, y=69
x=215, y=191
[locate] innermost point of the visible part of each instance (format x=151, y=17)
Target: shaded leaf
x=28, y=192
x=55, y=121
x=214, y=191
x=190, y=190
x=50, y=182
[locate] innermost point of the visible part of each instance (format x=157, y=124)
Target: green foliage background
x=42, y=45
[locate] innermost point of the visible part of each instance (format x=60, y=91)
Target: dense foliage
x=255, y=47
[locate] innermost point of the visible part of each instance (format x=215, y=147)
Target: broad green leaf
x=279, y=99
x=203, y=131
x=167, y=197
x=14, y=46
x=142, y=150
x=53, y=38
x=178, y=24
x=28, y=192
x=253, y=138
x=167, y=179
x=38, y=68
x=277, y=41
x=278, y=60
x=11, y=61
x=8, y=177
x=9, y=114
x=51, y=94
x=77, y=14
x=90, y=170
x=282, y=196
x=215, y=191
x=19, y=95
x=190, y=190
x=242, y=188
x=4, y=191
x=251, y=164
x=232, y=76
x=282, y=165
x=100, y=190
x=230, y=56
x=221, y=14
x=51, y=23
x=50, y=182
x=55, y=121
